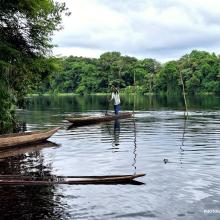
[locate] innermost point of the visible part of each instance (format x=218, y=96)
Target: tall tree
x=26, y=28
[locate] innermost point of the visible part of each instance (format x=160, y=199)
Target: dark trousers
x=117, y=109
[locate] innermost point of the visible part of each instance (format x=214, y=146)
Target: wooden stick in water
x=184, y=92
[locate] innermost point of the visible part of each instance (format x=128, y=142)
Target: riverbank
x=122, y=93
x=76, y=94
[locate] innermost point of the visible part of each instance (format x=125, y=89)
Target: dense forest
x=26, y=28
x=200, y=72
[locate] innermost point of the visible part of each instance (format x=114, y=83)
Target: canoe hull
x=19, y=139
x=94, y=120
x=123, y=179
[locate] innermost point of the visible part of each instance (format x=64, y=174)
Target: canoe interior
x=26, y=133
x=26, y=138
x=73, y=177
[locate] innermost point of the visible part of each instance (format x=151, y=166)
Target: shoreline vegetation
x=121, y=93
x=197, y=72
x=25, y=45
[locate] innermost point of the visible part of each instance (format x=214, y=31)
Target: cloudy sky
x=161, y=29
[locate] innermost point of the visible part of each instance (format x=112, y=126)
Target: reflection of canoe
x=97, y=119
x=53, y=180
x=12, y=140
x=12, y=152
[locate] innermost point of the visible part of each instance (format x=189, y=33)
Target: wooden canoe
x=17, y=139
x=97, y=119
x=72, y=180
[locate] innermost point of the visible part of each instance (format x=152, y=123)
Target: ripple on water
x=179, y=189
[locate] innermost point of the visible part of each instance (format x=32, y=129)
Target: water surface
x=181, y=188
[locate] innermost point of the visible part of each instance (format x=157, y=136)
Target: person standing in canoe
x=116, y=98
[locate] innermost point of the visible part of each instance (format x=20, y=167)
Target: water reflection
x=113, y=130
x=38, y=202
x=184, y=186
x=135, y=146
x=116, y=132
x=15, y=151
x=183, y=137
x=28, y=202
x=184, y=131
x=81, y=104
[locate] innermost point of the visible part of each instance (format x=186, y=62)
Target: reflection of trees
x=25, y=164
x=61, y=104
x=92, y=102
x=37, y=202
x=28, y=202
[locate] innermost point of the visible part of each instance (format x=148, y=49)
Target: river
x=180, y=157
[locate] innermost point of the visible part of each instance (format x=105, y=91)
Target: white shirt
x=116, y=98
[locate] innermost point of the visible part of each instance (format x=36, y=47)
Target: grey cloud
x=210, y=18
x=146, y=37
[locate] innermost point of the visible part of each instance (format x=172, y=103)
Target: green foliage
x=7, y=108
x=26, y=28
x=167, y=79
x=200, y=71
x=85, y=75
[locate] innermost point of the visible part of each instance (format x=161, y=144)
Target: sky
x=160, y=29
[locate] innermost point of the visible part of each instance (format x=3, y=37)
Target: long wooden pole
x=134, y=92
x=107, y=100
x=184, y=93
x=135, y=138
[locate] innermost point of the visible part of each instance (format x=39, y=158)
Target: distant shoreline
x=122, y=93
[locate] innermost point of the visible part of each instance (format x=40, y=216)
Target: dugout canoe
x=71, y=180
x=18, y=139
x=97, y=119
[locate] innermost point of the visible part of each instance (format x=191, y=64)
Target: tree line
x=200, y=71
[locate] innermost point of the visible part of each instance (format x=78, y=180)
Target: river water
x=180, y=157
